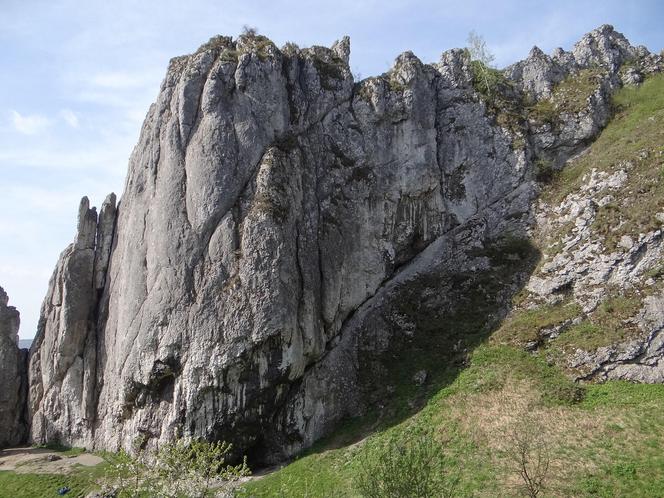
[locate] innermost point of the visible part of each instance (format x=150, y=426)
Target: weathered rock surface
x=277, y=217
x=63, y=358
x=13, y=377
x=582, y=267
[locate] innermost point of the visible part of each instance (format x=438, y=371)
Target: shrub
x=249, y=31
x=177, y=469
x=414, y=467
x=528, y=451
x=484, y=76
x=290, y=49
x=544, y=171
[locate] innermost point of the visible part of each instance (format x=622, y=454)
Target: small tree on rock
x=481, y=61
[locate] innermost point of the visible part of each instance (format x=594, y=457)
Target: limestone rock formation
x=64, y=354
x=13, y=377
x=283, y=227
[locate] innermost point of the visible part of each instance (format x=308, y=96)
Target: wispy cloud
x=105, y=156
x=70, y=117
x=29, y=124
x=27, y=271
x=120, y=80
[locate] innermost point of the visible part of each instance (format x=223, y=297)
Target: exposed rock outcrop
x=13, y=377
x=63, y=361
x=282, y=227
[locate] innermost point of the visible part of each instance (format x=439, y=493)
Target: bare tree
x=249, y=31
x=529, y=454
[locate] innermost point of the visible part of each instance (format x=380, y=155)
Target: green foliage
x=638, y=125
x=544, y=171
x=632, y=141
x=215, y=43
x=363, y=90
x=656, y=272
x=229, y=55
x=290, y=49
x=330, y=71
x=396, y=467
x=570, y=96
x=501, y=99
x=394, y=84
x=128, y=475
x=543, y=111
x=485, y=78
x=176, y=470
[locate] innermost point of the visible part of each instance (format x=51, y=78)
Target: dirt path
x=43, y=461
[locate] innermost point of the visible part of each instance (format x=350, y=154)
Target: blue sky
x=77, y=78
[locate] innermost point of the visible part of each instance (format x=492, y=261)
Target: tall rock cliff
x=284, y=229
x=13, y=377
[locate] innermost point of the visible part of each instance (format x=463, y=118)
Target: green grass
x=607, y=325
x=526, y=325
x=624, y=394
x=636, y=464
x=570, y=96
x=605, y=440
x=63, y=450
x=81, y=481
x=634, y=139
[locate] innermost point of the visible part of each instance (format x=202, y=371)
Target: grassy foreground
x=602, y=440
x=81, y=481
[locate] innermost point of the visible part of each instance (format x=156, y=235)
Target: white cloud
x=27, y=271
x=29, y=125
x=70, y=117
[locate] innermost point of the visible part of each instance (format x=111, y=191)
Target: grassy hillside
x=601, y=440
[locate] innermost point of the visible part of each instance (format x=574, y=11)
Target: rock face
x=63, y=360
x=13, y=377
x=276, y=220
